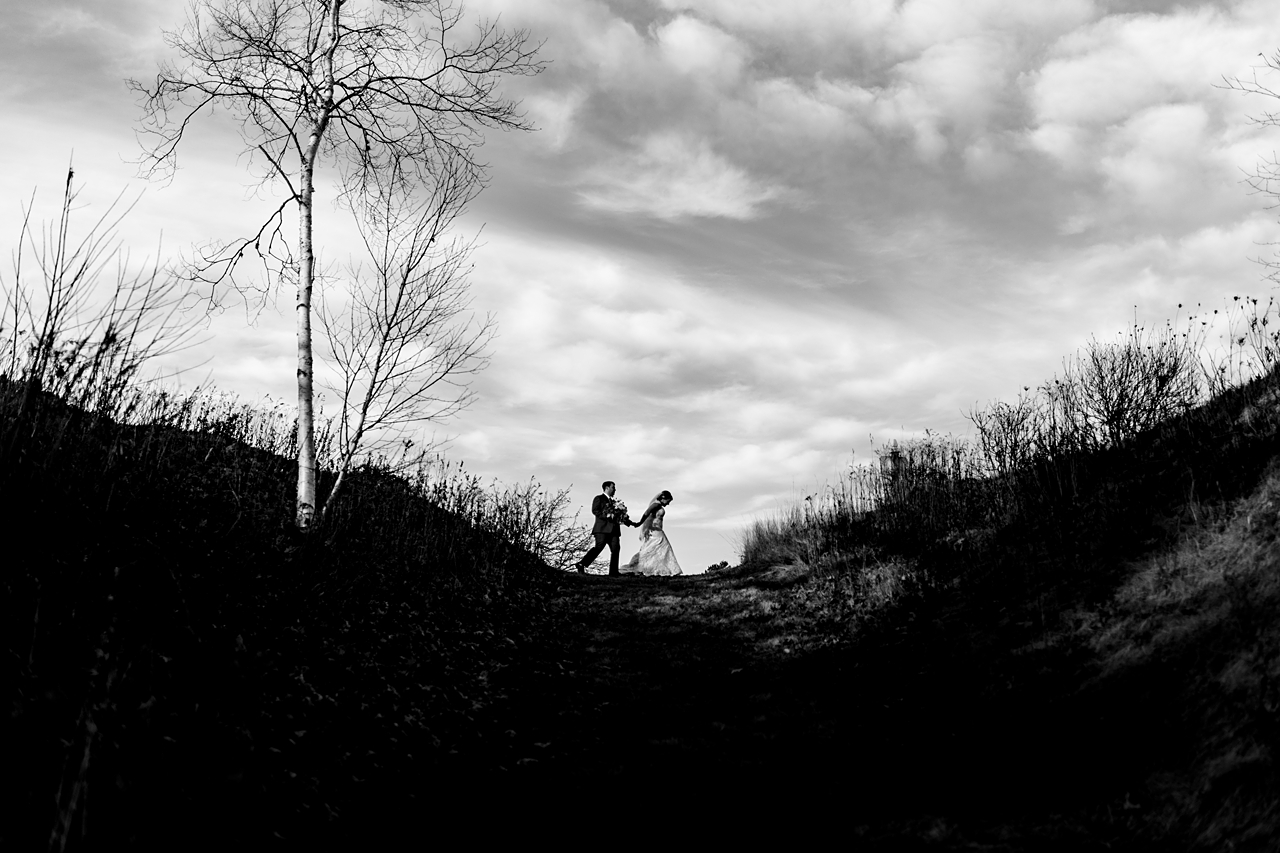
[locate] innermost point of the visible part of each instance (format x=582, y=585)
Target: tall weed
x=1060, y=475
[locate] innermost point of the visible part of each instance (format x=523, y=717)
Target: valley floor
x=947, y=726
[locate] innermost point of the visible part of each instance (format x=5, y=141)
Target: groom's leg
x=615, y=542
x=601, y=542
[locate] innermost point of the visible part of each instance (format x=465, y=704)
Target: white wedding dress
x=655, y=556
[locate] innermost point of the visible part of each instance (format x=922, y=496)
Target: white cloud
x=923, y=23
x=907, y=109
x=987, y=159
x=814, y=20
x=673, y=177
x=736, y=468
x=753, y=233
x=1101, y=75
x=553, y=114
x=1156, y=153
x=473, y=446
x=963, y=79
x=700, y=51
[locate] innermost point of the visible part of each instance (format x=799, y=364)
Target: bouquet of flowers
x=617, y=510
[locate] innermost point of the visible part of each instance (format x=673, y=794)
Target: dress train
x=655, y=557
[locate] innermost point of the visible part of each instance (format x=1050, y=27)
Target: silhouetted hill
x=1080, y=654
x=180, y=660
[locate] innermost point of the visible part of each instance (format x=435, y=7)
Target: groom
x=607, y=529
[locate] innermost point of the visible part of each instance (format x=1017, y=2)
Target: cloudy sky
x=751, y=239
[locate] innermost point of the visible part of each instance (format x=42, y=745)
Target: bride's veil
x=648, y=515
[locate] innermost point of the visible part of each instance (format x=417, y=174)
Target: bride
x=655, y=556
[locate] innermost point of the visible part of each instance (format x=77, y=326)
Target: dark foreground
x=184, y=672
x=718, y=701
x=715, y=695
x=739, y=706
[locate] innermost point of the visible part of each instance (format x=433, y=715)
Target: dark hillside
x=177, y=655
x=1099, y=673
x=1094, y=666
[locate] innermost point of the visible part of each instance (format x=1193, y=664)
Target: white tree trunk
x=306, y=505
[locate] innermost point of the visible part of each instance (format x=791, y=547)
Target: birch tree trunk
x=306, y=503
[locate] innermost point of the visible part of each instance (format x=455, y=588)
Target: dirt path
x=666, y=675
x=723, y=686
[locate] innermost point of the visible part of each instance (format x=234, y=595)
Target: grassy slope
x=180, y=666
x=1103, y=677
x=189, y=671
x=1201, y=620
x=962, y=718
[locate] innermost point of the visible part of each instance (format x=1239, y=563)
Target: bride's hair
x=656, y=503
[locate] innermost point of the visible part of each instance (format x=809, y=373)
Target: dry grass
x=171, y=618
x=1130, y=538
x=1208, y=606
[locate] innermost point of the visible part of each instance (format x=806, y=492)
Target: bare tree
x=406, y=345
x=366, y=85
x=1127, y=387
x=1006, y=433
x=1265, y=178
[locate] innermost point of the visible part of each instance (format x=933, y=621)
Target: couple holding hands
x=655, y=556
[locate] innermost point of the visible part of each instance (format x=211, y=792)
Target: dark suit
x=608, y=534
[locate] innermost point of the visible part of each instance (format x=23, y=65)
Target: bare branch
x=407, y=344
x=1265, y=178
x=388, y=93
